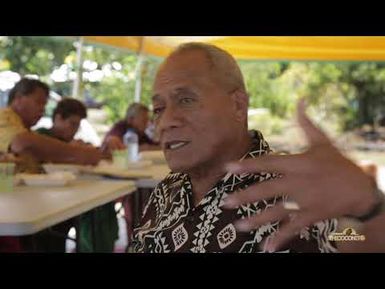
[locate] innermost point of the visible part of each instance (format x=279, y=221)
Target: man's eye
x=187, y=100
x=157, y=111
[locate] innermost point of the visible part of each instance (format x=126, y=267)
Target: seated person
x=66, y=121
x=137, y=120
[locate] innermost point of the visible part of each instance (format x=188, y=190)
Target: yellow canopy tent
x=332, y=48
x=318, y=48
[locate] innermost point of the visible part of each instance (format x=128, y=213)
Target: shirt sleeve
x=10, y=126
x=118, y=130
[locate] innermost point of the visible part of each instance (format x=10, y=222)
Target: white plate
x=53, y=168
x=55, y=179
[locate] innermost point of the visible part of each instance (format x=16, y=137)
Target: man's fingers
x=314, y=135
x=260, y=191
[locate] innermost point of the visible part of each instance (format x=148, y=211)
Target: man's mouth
x=174, y=145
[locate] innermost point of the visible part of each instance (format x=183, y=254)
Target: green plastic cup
x=7, y=171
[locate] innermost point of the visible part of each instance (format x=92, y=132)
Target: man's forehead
x=175, y=80
x=181, y=71
x=174, y=71
x=173, y=90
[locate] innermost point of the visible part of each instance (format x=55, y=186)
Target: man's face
x=193, y=113
x=66, y=128
x=31, y=107
x=140, y=121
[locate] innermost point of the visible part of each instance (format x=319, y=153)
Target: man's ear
x=241, y=104
x=16, y=100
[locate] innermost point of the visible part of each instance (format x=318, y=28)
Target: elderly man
x=200, y=107
x=137, y=120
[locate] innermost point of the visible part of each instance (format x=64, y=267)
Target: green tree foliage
x=34, y=55
x=345, y=94
x=117, y=90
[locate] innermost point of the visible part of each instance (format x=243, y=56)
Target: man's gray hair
x=134, y=109
x=221, y=61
